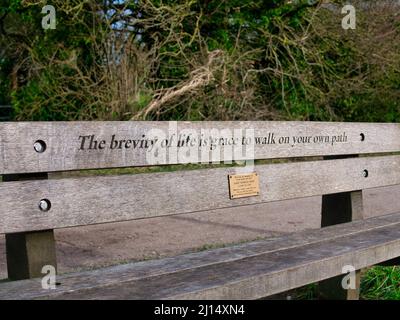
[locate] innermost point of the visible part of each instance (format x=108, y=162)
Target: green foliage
x=381, y=283
x=278, y=60
x=378, y=283
x=45, y=61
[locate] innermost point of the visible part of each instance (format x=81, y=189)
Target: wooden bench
x=334, y=160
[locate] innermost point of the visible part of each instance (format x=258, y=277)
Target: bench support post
x=28, y=252
x=340, y=208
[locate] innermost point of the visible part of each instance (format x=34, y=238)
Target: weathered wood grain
x=64, y=152
x=101, y=199
x=245, y=271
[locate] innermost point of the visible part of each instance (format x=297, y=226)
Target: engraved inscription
x=244, y=185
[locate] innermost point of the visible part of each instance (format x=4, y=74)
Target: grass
x=172, y=167
x=378, y=283
x=381, y=283
x=138, y=170
x=219, y=245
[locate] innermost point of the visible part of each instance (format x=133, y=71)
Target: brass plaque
x=243, y=185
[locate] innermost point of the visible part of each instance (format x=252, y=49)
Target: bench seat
x=247, y=271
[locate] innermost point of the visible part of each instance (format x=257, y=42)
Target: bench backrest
x=33, y=149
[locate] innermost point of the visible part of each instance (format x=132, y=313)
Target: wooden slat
x=84, y=201
x=64, y=146
x=27, y=253
x=246, y=271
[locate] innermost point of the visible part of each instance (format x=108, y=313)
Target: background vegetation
x=199, y=60
x=204, y=60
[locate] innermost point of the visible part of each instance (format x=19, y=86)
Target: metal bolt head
x=44, y=205
x=39, y=146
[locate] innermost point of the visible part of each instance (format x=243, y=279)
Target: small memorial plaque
x=243, y=185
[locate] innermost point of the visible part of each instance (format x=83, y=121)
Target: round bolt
x=44, y=205
x=39, y=146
